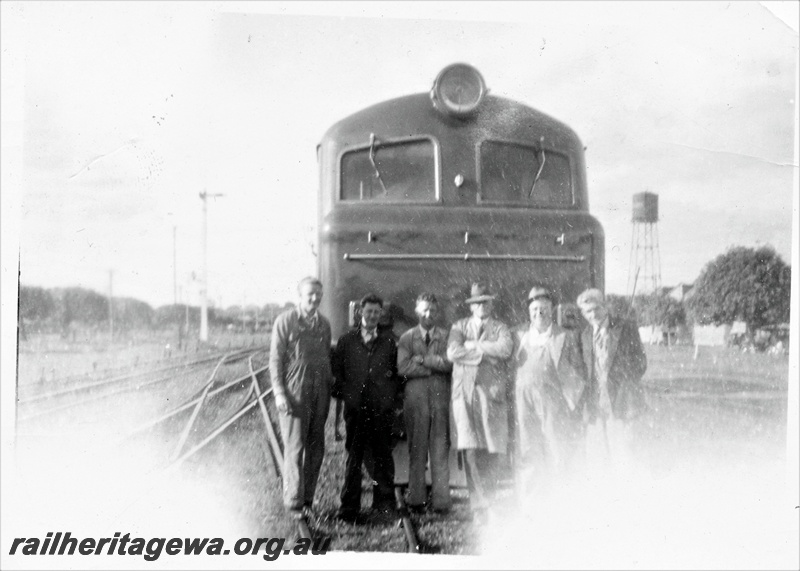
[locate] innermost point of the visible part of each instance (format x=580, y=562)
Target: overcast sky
x=127, y=111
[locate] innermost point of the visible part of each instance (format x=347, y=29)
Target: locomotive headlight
x=458, y=90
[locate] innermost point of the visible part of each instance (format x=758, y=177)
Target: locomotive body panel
x=457, y=143
x=414, y=199
x=445, y=250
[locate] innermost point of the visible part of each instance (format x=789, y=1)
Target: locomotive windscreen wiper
x=374, y=164
x=541, y=166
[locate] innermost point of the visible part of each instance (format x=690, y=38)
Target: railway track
x=187, y=419
x=223, y=422
x=235, y=388
x=43, y=403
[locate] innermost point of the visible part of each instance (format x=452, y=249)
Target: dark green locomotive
x=434, y=191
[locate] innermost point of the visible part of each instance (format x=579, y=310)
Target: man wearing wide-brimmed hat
x=479, y=347
x=549, y=381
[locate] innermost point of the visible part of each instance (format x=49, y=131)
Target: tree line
x=744, y=284
x=752, y=285
x=58, y=310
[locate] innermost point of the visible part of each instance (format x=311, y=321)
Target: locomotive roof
x=415, y=115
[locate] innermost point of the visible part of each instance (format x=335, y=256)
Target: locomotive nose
x=458, y=90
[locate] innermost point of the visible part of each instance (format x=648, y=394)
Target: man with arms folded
x=479, y=347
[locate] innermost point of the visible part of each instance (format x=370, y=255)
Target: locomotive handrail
x=541, y=167
x=465, y=257
x=374, y=164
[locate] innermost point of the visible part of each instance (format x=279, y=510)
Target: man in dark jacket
x=365, y=373
x=615, y=362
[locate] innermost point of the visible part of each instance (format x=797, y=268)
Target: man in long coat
x=479, y=348
x=549, y=377
x=615, y=361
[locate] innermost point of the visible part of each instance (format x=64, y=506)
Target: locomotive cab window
x=390, y=172
x=529, y=175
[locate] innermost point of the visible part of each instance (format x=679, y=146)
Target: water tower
x=644, y=269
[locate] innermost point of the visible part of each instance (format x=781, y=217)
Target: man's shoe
x=416, y=508
x=348, y=516
x=383, y=507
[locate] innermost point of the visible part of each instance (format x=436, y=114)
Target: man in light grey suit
x=422, y=361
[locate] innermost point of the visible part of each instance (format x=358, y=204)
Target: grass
x=722, y=410
x=708, y=426
x=49, y=359
x=716, y=369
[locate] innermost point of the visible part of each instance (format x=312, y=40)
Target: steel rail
x=154, y=476
x=196, y=410
x=236, y=357
x=109, y=381
x=78, y=380
x=277, y=457
x=273, y=450
x=123, y=378
x=94, y=398
x=250, y=392
x=405, y=522
x=302, y=523
x=305, y=531
x=219, y=430
x=188, y=404
x=105, y=395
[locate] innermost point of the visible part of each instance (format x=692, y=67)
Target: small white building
x=717, y=335
x=662, y=335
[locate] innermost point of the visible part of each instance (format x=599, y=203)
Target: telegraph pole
x=185, y=302
x=111, y=305
x=175, y=265
x=204, y=293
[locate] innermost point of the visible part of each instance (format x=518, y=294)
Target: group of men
x=542, y=393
